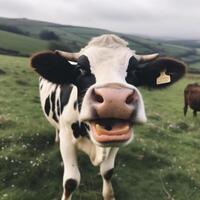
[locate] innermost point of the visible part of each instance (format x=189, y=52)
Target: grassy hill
x=67, y=34
x=16, y=44
x=73, y=38
x=194, y=58
x=161, y=163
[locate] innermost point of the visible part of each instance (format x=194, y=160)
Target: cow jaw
x=111, y=131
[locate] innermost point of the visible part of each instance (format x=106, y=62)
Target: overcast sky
x=163, y=18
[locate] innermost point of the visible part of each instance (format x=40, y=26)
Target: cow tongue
x=117, y=129
x=117, y=132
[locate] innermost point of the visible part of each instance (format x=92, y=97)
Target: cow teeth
x=99, y=128
x=126, y=128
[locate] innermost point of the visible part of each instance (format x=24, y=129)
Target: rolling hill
x=16, y=44
x=72, y=38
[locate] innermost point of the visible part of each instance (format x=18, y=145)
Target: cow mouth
x=111, y=130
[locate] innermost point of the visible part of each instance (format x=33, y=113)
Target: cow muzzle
x=115, y=107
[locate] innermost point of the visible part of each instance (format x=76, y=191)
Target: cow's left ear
x=158, y=73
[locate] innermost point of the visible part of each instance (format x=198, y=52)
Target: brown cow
x=192, y=98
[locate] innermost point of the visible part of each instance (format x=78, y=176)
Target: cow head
x=107, y=74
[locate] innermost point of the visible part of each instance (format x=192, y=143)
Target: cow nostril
x=130, y=98
x=97, y=97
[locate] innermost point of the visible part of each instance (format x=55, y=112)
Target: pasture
x=17, y=44
x=162, y=163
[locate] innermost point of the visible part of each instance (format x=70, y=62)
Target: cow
x=192, y=98
x=92, y=99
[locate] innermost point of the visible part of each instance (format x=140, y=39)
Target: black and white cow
x=94, y=102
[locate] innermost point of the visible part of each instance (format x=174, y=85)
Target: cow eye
x=133, y=64
x=83, y=71
x=84, y=64
x=132, y=72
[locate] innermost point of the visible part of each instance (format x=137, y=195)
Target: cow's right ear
x=156, y=73
x=54, y=67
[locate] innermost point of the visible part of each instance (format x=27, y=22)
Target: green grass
x=22, y=44
x=161, y=163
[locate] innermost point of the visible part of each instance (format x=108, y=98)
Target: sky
x=173, y=19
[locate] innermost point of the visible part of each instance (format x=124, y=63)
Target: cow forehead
x=98, y=55
x=107, y=60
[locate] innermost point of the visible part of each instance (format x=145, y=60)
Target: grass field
x=162, y=163
x=22, y=44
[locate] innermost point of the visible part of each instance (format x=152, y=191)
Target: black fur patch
x=132, y=73
x=70, y=186
x=58, y=107
x=108, y=174
x=86, y=78
x=80, y=129
x=53, y=105
x=83, y=83
x=47, y=106
x=65, y=91
x=75, y=105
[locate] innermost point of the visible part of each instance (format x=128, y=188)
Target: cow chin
x=111, y=132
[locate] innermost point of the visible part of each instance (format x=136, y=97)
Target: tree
x=58, y=46
x=48, y=35
x=70, y=46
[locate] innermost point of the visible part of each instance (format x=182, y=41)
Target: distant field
x=161, y=163
x=195, y=66
x=22, y=44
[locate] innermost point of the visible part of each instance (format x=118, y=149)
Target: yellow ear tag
x=163, y=78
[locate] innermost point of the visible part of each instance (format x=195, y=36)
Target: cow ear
x=159, y=73
x=53, y=67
